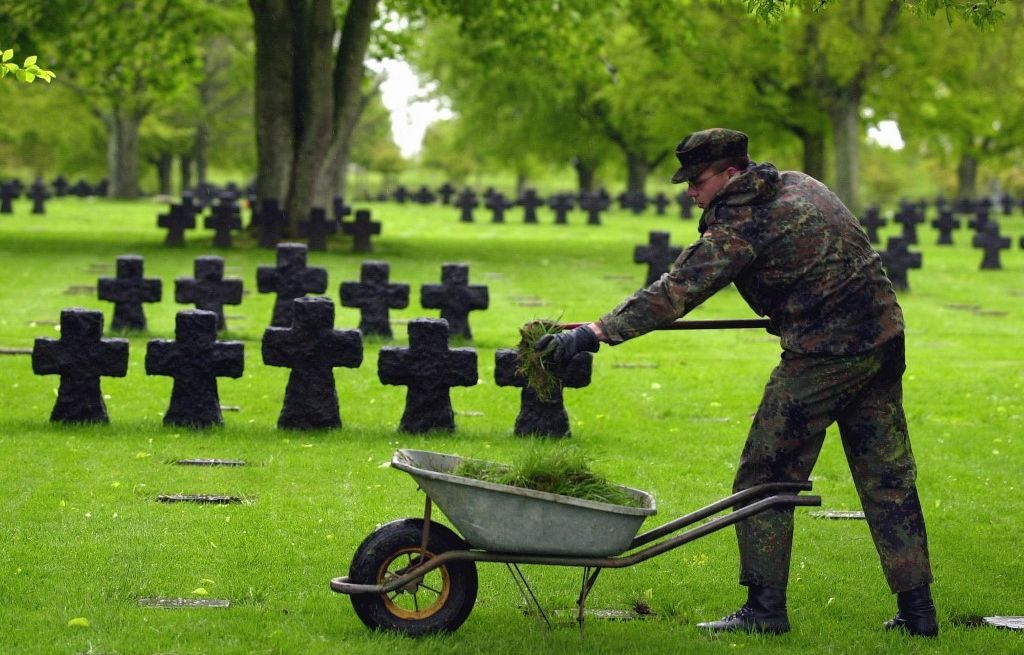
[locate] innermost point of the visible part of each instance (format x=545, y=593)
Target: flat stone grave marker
x=945, y=224
x=270, y=220
x=445, y=191
x=341, y=210
x=195, y=359
x=8, y=193
x=466, y=202
x=897, y=260
x=909, y=217
x=633, y=365
x=1007, y=622
x=208, y=289
x=225, y=217
x=375, y=296
x=200, y=461
x=562, y=203
x=498, y=203
x=39, y=193
x=847, y=515
x=428, y=368
x=290, y=279
x=202, y=499
x=181, y=217
x=685, y=205
x=530, y=201
x=80, y=357
x=991, y=242
x=455, y=297
x=128, y=291
x=184, y=603
x=658, y=254
x=15, y=351
x=871, y=222
x=317, y=228
x=594, y=204
x=311, y=348
x=361, y=229
x=546, y=418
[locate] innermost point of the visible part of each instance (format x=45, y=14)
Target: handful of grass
x=565, y=471
x=532, y=364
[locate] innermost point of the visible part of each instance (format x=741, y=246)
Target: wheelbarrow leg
x=588, y=583
x=530, y=600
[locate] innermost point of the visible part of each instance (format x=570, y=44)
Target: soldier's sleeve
x=711, y=263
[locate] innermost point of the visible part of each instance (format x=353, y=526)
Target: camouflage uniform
x=798, y=256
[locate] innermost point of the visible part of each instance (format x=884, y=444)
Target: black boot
x=764, y=611
x=916, y=613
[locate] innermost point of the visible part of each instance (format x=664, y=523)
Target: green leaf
x=31, y=59
x=78, y=622
x=7, y=55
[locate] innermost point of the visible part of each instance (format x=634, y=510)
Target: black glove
x=563, y=346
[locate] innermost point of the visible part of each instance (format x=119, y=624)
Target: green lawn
x=84, y=537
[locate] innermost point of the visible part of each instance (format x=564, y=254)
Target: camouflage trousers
x=864, y=395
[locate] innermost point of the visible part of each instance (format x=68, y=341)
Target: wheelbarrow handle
x=725, y=324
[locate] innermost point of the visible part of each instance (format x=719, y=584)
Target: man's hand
x=563, y=346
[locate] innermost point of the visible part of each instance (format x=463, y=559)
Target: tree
x=27, y=72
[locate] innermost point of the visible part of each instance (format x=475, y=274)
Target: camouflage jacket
x=795, y=253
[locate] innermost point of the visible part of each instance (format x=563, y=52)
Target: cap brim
x=688, y=173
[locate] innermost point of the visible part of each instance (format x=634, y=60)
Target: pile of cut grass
x=532, y=364
x=565, y=471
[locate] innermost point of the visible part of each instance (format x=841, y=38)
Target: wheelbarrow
x=418, y=577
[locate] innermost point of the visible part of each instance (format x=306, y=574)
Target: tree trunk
x=274, y=98
x=185, y=168
x=585, y=173
x=814, y=153
x=845, y=114
x=636, y=170
x=200, y=149
x=123, y=153
x=967, y=176
x=164, y=167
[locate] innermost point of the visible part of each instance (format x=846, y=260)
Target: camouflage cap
x=699, y=150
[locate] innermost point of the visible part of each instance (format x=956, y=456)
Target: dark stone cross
x=81, y=189
x=455, y=298
x=498, y=203
x=467, y=202
x=39, y=193
x=128, y=291
x=80, y=357
x=8, y=193
x=871, y=222
x=941, y=203
x=401, y=194
x=204, y=193
x=536, y=416
x=361, y=230
x=992, y=242
x=180, y=218
x=290, y=279
x=317, y=228
x=530, y=201
x=341, y=210
x=909, y=217
x=1008, y=203
x=60, y=186
x=633, y=201
x=311, y=348
x=896, y=260
x=195, y=359
x=945, y=224
x=446, y=191
x=658, y=254
x=980, y=220
x=270, y=220
x=374, y=296
x=594, y=204
x=224, y=218
x=661, y=203
x=208, y=289
x=685, y=205
x=428, y=368
x=562, y=203
x=424, y=196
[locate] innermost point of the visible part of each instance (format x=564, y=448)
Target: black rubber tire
x=449, y=591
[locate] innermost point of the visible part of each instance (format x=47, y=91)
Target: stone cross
x=180, y=218
x=685, y=205
x=909, y=217
x=8, y=193
x=530, y=201
x=634, y=201
x=871, y=222
x=317, y=228
x=467, y=202
x=945, y=224
x=428, y=368
x=562, y=203
x=341, y=210
x=941, y=202
x=128, y=291
x=208, y=289
x=658, y=254
x=60, y=186
x=1008, y=203
x=661, y=203
x=81, y=189
x=39, y=193
x=401, y=194
x=538, y=417
x=455, y=298
x=224, y=218
x=80, y=357
x=594, y=204
x=311, y=348
x=195, y=359
x=896, y=260
x=992, y=242
x=270, y=220
x=361, y=230
x=424, y=196
x=980, y=220
x=290, y=279
x=446, y=190
x=498, y=203
x=374, y=296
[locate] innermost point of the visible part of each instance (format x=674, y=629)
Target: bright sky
x=403, y=95
x=886, y=133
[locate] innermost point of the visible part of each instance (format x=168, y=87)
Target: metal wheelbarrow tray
x=418, y=577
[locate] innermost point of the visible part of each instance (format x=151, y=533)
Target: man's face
x=705, y=186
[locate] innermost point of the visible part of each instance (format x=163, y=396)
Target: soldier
x=799, y=257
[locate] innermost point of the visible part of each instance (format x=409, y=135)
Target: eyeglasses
x=697, y=184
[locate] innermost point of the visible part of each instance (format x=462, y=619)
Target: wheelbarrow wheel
x=440, y=601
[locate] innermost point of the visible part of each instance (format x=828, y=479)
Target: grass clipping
x=533, y=364
x=565, y=471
